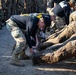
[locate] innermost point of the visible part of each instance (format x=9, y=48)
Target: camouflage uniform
x=17, y=35
x=19, y=47
x=58, y=23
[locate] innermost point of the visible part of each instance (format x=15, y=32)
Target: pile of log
x=64, y=35
x=58, y=46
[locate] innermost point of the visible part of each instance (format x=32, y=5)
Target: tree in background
x=11, y=7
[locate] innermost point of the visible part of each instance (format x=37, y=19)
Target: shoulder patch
x=39, y=16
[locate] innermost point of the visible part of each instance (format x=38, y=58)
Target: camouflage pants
x=18, y=36
x=58, y=23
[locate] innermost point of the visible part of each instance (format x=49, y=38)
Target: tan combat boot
x=15, y=61
x=23, y=56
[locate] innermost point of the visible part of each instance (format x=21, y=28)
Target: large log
x=65, y=52
x=55, y=34
x=56, y=46
x=66, y=34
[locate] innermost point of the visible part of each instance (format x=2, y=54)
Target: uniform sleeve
x=28, y=38
x=31, y=30
x=67, y=13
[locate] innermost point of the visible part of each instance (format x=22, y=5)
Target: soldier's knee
x=22, y=44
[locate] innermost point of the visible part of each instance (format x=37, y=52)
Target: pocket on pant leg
x=16, y=33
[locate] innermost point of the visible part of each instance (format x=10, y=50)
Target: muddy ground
x=67, y=67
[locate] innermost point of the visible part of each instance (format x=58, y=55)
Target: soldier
x=30, y=25
x=62, y=12
x=52, y=3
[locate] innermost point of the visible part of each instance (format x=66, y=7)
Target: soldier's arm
x=28, y=39
x=67, y=13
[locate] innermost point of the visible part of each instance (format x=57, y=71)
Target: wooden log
x=66, y=34
x=56, y=46
x=63, y=53
x=55, y=34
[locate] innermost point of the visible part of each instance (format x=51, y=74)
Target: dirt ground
x=67, y=67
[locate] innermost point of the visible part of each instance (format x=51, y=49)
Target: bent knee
x=21, y=44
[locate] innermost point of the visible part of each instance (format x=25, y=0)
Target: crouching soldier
x=30, y=24
x=62, y=12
